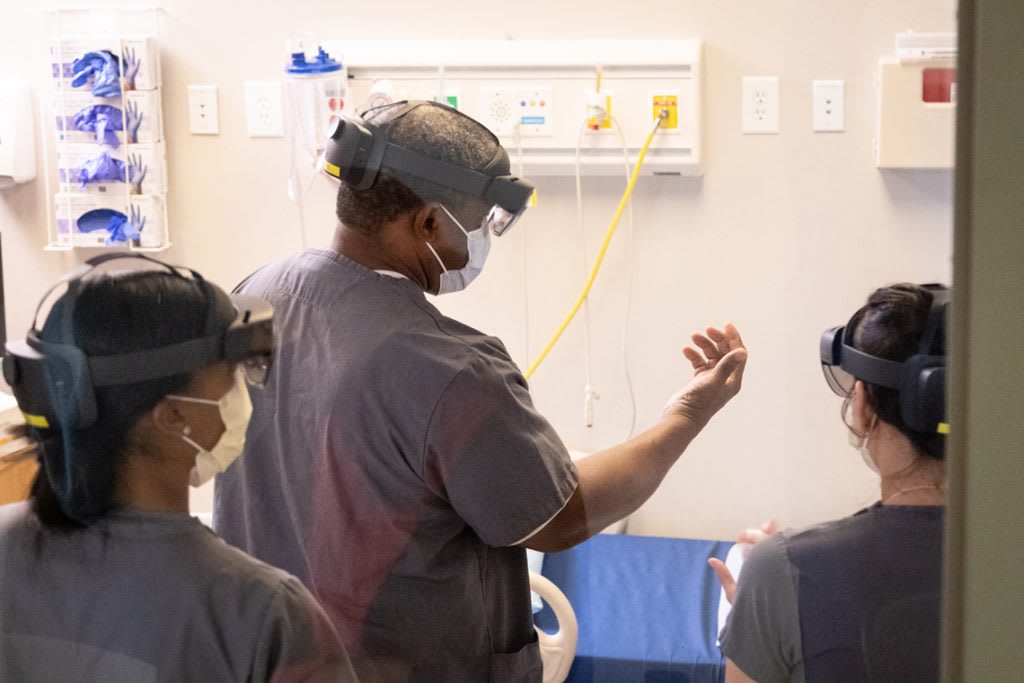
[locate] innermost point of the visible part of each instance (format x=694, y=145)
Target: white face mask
x=861, y=443
x=235, y=410
x=479, y=244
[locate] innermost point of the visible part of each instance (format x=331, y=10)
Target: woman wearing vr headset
x=133, y=389
x=858, y=599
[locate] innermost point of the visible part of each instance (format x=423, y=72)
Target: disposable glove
x=102, y=67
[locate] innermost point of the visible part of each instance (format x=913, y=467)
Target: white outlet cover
x=760, y=104
x=829, y=102
x=264, y=109
x=498, y=113
x=202, y=110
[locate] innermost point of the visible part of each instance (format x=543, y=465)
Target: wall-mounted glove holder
x=108, y=170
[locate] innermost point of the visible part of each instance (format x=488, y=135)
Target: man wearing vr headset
x=399, y=466
x=133, y=389
x=858, y=599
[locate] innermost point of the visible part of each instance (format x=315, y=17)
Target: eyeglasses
x=499, y=221
x=257, y=369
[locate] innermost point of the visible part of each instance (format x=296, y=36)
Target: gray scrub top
x=143, y=597
x=851, y=600
x=393, y=460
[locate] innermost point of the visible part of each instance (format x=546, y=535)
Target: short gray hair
x=435, y=131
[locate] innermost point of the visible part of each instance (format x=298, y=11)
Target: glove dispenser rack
x=104, y=148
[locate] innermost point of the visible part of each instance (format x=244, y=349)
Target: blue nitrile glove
x=101, y=168
x=103, y=67
x=131, y=67
x=121, y=229
x=137, y=221
x=132, y=121
x=98, y=219
x=104, y=119
x=136, y=173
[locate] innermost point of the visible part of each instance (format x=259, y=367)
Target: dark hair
x=890, y=326
x=111, y=314
x=437, y=132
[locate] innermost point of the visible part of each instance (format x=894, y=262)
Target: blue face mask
x=478, y=243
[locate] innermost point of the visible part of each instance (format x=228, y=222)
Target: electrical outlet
x=761, y=104
x=264, y=110
x=828, y=106
x=202, y=110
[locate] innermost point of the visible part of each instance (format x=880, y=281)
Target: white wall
x=785, y=235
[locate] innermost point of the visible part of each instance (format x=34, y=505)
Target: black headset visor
x=843, y=365
x=920, y=380
x=508, y=196
x=54, y=383
x=358, y=151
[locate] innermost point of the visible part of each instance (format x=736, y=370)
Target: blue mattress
x=647, y=609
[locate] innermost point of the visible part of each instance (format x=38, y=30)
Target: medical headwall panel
x=105, y=152
x=546, y=100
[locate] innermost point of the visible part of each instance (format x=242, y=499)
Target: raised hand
x=757, y=535
x=717, y=373
x=746, y=541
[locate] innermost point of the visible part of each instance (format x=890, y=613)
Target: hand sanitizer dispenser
x=17, y=134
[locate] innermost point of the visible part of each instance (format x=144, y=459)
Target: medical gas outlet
x=599, y=111
x=527, y=111
x=666, y=107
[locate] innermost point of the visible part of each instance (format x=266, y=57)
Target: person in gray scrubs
x=858, y=599
x=133, y=389
x=398, y=465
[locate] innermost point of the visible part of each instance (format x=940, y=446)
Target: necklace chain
x=913, y=488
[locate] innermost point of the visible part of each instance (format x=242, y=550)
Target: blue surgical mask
x=478, y=243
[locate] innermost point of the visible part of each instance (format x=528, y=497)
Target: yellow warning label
x=37, y=421
x=669, y=103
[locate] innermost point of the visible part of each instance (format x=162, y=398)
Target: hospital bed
x=646, y=609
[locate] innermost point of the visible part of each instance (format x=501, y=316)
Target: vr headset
x=357, y=151
x=920, y=380
x=54, y=382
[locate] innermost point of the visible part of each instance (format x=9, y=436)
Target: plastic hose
x=600, y=254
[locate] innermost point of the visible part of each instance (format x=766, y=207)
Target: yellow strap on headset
x=332, y=169
x=37, y=421
x=943, y=428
